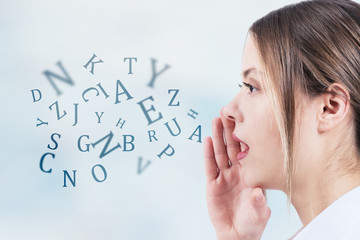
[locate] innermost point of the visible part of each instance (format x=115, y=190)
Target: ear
x=335, y=106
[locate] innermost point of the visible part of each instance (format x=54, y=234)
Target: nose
x=232, y=110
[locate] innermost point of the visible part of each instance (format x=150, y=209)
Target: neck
x=316, y=193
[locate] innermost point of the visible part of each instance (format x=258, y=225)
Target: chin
x=256, y=179
x=252, y=178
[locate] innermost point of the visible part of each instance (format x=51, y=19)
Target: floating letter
x=172, y=151
x=130, y=63
x=89, y=89
x=118, y=83
x=92, y=63
x=150, y=121
x=130, y=142
x=120, y=122
x=103, y=91
x=141, y=169
x=72, y=180
x=57, y=110
x=192, y=114
x=103, y=170
x=198, y=135
x=87, y=145
x=99, y=117
x=151, y=134
x=76, y=113
x=51, y=75
x=33, y=95
x=154, y=73
x=52, y=138
x=177, y=125
x=42, y=162
x=41, y=122
x=173, y=98
x=104, y=152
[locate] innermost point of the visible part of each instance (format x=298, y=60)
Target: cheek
x=305, y=144
x=265, y=158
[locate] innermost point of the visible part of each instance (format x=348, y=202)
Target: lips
x=244, y=148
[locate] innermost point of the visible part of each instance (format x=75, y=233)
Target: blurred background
x=201, y=41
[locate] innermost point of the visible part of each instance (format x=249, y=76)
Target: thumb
x=261, y=210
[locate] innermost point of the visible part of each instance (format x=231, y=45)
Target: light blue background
x=203, y=43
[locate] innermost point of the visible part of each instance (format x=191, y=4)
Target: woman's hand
x=236, y=210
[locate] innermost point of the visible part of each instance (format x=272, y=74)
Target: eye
x=251, y=87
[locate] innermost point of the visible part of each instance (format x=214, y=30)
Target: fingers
x=215, y=152
x=261, y=210
x=233, y=147
x=222, y=159
x=211, y=169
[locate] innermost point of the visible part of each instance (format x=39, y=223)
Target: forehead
x=251, y=57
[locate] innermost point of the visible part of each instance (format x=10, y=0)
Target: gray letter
x=150, y=121
x=51, y=75
x=130, y=63
x=154, y=73
x=92, y=63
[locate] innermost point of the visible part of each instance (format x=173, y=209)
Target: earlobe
x=335, y=107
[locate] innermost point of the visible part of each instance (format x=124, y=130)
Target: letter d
x=34, y=96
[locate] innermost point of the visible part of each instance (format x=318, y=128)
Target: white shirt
x=339, y=221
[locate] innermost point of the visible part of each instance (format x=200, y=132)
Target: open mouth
x=244, y=148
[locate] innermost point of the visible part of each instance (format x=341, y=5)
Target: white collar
x=335, y=220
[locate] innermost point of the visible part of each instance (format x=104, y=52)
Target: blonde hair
x=306, y=47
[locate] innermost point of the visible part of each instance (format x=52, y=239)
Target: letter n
x=51, y=76
x=105, y=152
x=67, y=175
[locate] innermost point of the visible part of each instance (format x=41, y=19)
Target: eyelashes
x=251, y=87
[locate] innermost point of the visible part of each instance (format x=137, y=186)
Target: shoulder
x=340, y=220
x=352, y=231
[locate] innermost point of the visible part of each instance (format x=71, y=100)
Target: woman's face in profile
x=256, y=126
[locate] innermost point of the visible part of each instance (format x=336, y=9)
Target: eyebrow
x=248, y=71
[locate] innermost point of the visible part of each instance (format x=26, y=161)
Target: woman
x=294, y=126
